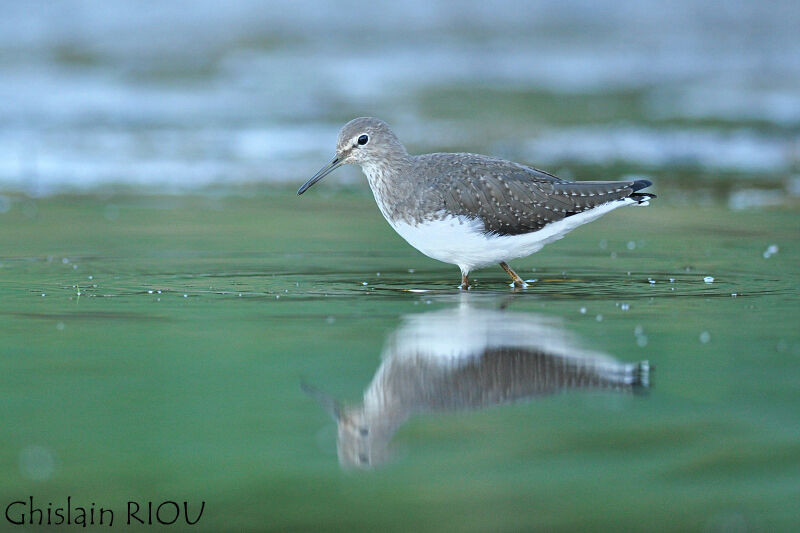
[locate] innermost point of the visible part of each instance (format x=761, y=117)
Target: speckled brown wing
x=513, y=199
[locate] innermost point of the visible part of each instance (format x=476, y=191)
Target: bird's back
x=509, y=198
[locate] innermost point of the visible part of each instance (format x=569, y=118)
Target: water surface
x=155, y=347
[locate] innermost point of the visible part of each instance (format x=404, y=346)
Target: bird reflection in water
x=468, y=358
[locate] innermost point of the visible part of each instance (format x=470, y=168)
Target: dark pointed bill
x=328, y=402
x=324, y=171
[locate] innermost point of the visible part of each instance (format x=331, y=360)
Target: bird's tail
x=641, y=377
x=642, y=198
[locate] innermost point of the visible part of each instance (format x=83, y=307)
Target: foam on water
x=199, y=92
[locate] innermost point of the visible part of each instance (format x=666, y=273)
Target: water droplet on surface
x=364, y=283
x=36, y=462
x=631, y=245
x=709, y=279
x=583, y=310
x=624, y=306
x=641, y=341
x=705, y=337
x=60, y=326
x=771, y=250
x=599, y=318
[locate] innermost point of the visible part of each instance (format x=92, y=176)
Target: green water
x=153, y=348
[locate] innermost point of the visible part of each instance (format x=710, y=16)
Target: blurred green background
x=163, y=292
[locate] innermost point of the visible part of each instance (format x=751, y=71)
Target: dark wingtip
x=642, y=196
x=640, y=184
x=642, y=379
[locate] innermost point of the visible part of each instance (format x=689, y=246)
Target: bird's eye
x=363, y=140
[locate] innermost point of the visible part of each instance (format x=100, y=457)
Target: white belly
x=461, y=241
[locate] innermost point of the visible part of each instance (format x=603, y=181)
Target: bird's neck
x=388, y=179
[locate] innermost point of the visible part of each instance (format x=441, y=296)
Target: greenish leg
x=518, y=282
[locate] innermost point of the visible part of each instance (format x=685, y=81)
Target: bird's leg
x=518, y=282
x=464, y=281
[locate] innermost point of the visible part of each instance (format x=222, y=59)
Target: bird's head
x=361, y=141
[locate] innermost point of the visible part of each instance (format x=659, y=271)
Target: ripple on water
x=275, y=276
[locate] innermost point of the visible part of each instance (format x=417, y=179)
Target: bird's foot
x=516, y=281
